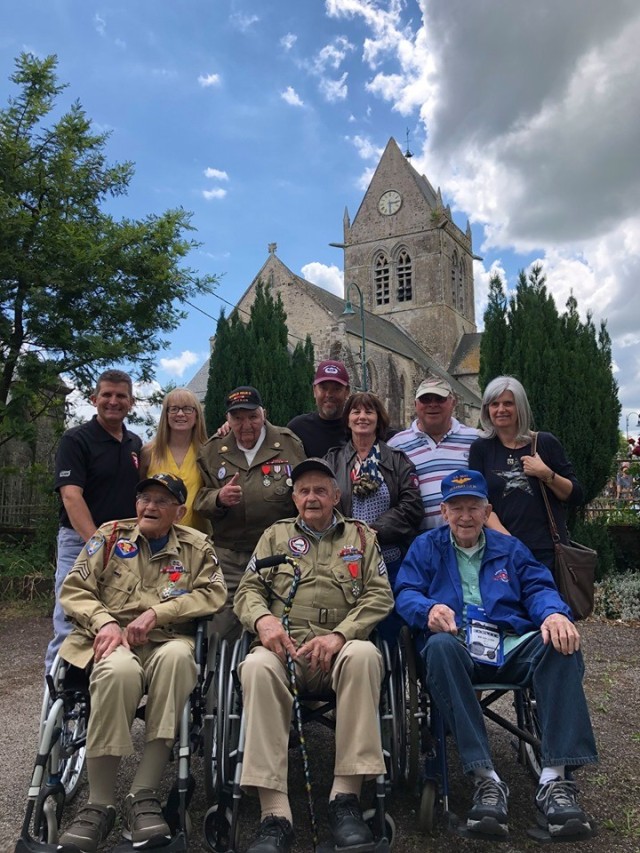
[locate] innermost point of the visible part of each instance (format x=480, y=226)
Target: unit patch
x=125, y=549
x=299, y=546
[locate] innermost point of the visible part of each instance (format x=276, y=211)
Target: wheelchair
x=222, y=821
x=59, y=764
x=424, y=736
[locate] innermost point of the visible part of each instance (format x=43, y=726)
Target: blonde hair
x=159, y=445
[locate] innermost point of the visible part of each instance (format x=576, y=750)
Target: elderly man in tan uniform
x=133, y=595
x=342, y=594
x=247, y=486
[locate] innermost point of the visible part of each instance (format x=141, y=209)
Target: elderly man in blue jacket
x=489, y=612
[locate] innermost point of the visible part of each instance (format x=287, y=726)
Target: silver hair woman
x=516, y=476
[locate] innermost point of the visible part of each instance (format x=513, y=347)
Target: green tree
x=565, y=367
x=258, y=354
x=79, y=290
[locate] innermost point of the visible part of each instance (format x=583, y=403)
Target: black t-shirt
x=517, y=499
x=317, y=434
x=105, y=468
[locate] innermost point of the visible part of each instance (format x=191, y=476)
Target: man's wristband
x=550, y=478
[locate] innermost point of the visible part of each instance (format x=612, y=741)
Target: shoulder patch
x=93, y=545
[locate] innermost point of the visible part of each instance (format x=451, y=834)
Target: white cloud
x=334, y=90
x=217, y=192
x=292, y=97
x=176, y=366
x=207, y=80
x=287, y=41
x=366, y=149
x=481, y=280
x=328, y=277
x=100, y=24
x=332, y=55
x=243, y=22
x=217, y=174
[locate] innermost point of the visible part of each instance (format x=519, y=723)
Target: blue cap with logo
x=464, y=482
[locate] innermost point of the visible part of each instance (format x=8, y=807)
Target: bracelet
x=550, y=478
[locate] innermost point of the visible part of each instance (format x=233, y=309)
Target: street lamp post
x=627, y=421
x=348, y=312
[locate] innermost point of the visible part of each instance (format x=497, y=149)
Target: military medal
x=356, y=589
x=222, y=472
x=266, y=470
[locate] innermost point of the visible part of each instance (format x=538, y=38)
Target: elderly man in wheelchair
x=332, y=598
x=488, y=612
x=134, y=595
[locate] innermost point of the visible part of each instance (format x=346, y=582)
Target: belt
x=317, y=615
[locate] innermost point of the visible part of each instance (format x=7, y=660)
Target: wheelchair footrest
x=381, y=846
x=33, y=846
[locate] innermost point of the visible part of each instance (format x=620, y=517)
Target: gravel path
x=611, y=790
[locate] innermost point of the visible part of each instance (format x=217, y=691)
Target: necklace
x=511, y=459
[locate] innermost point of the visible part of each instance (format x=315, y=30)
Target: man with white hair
x=487, y=611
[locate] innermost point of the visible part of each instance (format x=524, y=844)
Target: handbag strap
x=555, y=536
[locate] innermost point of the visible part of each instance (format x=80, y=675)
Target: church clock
x=390, y=202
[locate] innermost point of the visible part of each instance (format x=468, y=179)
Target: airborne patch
x=299, y=546
x=125, y=549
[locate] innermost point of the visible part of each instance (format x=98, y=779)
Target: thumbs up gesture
x=231, y=493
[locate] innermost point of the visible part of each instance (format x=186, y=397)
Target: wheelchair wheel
x=47, y=815
x=217, y=829
x=391, y=720
x=528, y=712
x=390, y=831
x=426, y=812
x=217, y=663
x=68, y=753
x=411, y=706
x=232, y=709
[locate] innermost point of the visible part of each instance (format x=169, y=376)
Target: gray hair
x=493, y=390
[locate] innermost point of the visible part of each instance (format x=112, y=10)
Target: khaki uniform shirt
x=343, y=587
x=266, y=486
x=116, y=577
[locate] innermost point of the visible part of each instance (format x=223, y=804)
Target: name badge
x=484, y=640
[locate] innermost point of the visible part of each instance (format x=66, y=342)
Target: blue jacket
x=518, y=593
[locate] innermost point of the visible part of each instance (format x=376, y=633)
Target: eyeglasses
x=161, y=503
x=187, y=410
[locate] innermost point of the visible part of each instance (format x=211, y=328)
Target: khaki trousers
x=233, y=565
x=355, y=678
x=166, y=671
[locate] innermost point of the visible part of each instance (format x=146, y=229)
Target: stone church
x=411, y=267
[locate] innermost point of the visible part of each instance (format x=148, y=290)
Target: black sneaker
x=350, y=832
x=143, y=822
x=558, y=811
x=274, y=836
x=91, y=826
x=488, y=814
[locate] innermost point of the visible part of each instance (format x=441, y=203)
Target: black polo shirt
x=106, y=469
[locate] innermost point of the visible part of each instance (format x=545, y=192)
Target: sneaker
x=349, y=830
x=488, y=814
x=274, y=836
x=558, y=811
x=92, y=825
x=143, y=821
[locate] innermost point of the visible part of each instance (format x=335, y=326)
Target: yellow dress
x=190, y=475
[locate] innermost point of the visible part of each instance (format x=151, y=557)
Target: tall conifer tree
x=258, y=354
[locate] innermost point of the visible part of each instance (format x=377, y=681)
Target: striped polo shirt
x=434, y=461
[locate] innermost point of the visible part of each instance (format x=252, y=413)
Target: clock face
x=389, y=203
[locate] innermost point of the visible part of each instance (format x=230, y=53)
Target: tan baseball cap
x=434, y=386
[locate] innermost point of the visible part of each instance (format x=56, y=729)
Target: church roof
x=378, y=330
x=466, y=358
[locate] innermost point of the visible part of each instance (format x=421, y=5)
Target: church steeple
x=411, y=261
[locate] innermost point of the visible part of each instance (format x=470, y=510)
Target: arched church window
x=381, y=278
x=404, y=276
x=454, y=279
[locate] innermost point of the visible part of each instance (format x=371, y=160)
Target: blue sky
x=266, y=118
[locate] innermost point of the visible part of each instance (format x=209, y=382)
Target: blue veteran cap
x=464, y=482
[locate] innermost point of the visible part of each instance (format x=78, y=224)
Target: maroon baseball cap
x=332, y=371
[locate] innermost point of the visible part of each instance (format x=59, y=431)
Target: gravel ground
x=610, y=790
